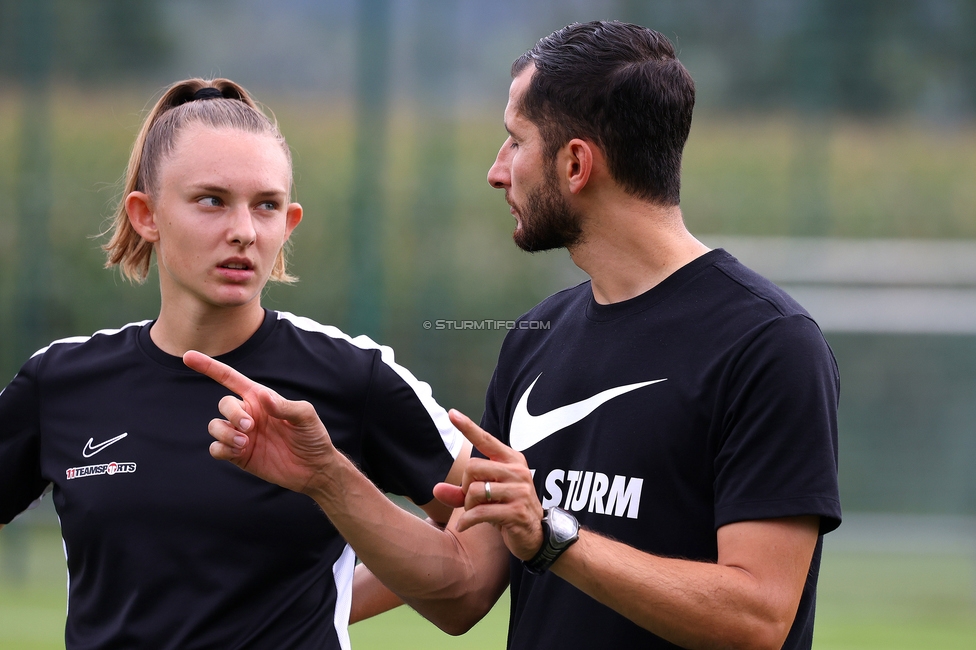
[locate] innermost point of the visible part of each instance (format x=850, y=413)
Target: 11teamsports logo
x=99, y=470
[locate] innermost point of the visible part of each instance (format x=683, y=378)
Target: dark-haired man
x=659, y=466
x=680, y=407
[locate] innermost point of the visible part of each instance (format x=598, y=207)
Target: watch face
x=563, y=525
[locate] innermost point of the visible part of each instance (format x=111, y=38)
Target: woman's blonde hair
x=217, y=103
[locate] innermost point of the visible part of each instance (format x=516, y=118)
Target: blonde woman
x=167, y=547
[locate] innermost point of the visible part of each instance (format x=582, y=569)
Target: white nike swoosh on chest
x=90, y=449
x=528, y=429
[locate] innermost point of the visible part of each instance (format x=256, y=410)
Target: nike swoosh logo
x=90, y=449
x=528, y=429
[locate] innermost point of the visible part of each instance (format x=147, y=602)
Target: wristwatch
x=559, y=531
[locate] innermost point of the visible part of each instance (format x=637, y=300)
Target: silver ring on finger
x=488, y=490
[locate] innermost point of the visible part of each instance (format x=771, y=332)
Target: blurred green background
x=822, y=122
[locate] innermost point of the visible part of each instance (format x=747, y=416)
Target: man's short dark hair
x=621, y=87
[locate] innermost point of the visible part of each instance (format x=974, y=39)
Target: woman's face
x=220, y=214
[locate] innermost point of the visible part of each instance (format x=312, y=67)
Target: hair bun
x=206, y=93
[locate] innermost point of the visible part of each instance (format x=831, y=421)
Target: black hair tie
x=207, y=93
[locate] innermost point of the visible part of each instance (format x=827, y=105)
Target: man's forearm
x=694, y=604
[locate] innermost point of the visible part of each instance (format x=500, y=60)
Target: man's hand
x=514, y=508
x=278, y=440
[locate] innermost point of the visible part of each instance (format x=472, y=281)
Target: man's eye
x=268, y=205
x=210, y=202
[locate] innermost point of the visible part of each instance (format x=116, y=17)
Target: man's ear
x=578, y=161
x=138, y=206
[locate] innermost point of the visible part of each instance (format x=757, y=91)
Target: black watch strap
x=560, y=530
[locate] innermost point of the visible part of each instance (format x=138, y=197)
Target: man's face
x=544, y=219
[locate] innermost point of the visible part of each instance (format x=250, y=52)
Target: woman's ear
x=293, y=217
x=138, y=206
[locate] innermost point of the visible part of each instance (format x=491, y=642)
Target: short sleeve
x=20, y=444
x=409, y=443
x=490, y=420
x=777, y=456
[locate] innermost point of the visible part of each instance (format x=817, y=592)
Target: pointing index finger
x=483, y=441
x=219, y=372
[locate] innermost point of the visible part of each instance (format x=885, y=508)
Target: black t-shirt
x=709, y=399
x=169, y=548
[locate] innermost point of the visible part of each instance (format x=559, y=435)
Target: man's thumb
x=449, y=495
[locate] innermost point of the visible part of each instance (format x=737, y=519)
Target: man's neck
x=632, y=246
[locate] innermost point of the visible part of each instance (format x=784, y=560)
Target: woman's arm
x=371, y=597
x=459, y=575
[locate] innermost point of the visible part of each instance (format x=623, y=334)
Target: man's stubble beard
x=547, y=221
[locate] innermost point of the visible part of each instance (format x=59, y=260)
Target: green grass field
x=869, y=600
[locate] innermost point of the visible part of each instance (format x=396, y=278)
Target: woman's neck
x=205, y=328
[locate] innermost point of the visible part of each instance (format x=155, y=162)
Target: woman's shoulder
x=312, y=330
x=84, y=355
x=337, y=348
x=97, y=341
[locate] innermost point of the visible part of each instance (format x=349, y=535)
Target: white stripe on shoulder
x=452, y=438
x=82, y=339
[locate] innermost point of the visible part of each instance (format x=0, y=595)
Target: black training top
x=708, y=400
x=169, y=548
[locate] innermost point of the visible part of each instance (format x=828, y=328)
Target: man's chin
x=530, y=245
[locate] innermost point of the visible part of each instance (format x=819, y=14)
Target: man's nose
x=499, y=176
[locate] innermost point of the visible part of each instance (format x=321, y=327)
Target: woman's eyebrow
x=220, y=189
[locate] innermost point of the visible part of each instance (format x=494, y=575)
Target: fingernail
x=240, y=440
x=245, y=424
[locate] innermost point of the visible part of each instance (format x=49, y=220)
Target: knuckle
x=476, y=466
